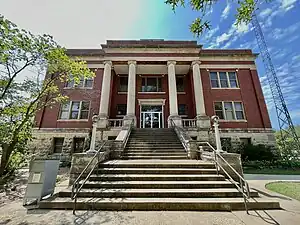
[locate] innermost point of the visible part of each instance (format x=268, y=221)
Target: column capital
x=171, y=62
x=198, y=62
x=108, y=62
x=131, y=62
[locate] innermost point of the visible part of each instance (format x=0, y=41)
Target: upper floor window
x=151, y=84
x=123, y=85
x=223, y=80
x=180, y=84
x=75, y=110
x=83, y=83
x=229, y=110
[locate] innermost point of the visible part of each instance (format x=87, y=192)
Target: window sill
x=70, y=120
x=78, y=88
x=181, y=93
x=120, y=116
x=151, y=93
x=183, y=116
x=235, y=121
x=225, y=88
x=122, y=92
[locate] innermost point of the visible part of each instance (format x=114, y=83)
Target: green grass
x=290, y=189
x=272, y=171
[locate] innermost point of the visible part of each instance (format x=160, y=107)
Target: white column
x=105, y=90
x=198, y=89
x=215, y=120
x=94, y=132
x=131, y=88
x=172, y=88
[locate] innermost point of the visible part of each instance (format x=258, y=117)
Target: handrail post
x=215, y=120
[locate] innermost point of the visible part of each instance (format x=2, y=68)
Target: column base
x=127, y=120
x=203, y=122
x=102, y=122
x=177, y=120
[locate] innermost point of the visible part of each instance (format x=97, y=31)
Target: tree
x=245, y=10
x=24, y=88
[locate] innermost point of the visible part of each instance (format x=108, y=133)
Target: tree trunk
x=4, y=158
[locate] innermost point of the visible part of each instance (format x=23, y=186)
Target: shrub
x=260, y=152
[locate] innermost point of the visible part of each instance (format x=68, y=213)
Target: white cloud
x=223, y=37
x=225, y=12
x=212, y=32
x=243, y=28
x=280, y=33
x=266, y=12
x=287, y=5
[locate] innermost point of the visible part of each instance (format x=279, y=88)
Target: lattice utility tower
x=286, y=126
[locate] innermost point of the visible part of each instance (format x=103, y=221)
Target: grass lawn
x=290, y=189
x=272, y=171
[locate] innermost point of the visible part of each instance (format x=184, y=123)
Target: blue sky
x=87, y=24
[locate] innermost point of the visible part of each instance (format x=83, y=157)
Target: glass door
x=151, y=116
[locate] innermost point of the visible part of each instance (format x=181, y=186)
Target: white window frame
x=83, y=84
x=228, y=80
x=234, y=113
x=70, y=110
x=150, y=92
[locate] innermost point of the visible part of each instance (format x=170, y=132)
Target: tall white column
x=172, y=88
x=198, y=89
x=105, y=90
x=131, y=89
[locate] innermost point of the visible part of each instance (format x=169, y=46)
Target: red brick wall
x=50, y=115
x=249, y=93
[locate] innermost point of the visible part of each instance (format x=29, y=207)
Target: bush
x=252, y=152
x=279, y=164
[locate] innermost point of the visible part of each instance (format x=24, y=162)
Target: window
x=182, y=109
x=223, y=80
x=245, y=141
x=83, y=83
x=121, y=109
x=152, y=84
x=78, y=145
x=75, y=110
x=58, y=145
x=123, y=85
x=229, y=110
x=180, y=84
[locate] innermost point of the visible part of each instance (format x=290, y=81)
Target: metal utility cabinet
x=41, y=181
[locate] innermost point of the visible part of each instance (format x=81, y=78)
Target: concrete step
x=156, y=150
x=154, y=147
x=152, y=141
x=154, y=157
x=155, y=171
x=129, y=153
x=171, y=204
x=157, y=177
x=159, y=184
x=157, y=164
x=158, y=193
x=154, y=144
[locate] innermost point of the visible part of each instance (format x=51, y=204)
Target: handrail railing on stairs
x=242, y=185
x=77, y=185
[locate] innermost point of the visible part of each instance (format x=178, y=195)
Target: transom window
x=83, y=83
x=180, y=84
x=75, y=110
x=223, y=80
x=123, y=85
x=151, y=84
x=229, y=110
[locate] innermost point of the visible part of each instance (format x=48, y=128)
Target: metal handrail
x=180, y=135
x=243, y=186
x=129, y=132
x=76, y=185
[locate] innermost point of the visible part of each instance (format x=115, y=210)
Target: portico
x=152, y=93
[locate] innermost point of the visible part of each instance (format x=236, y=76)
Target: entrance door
x=151, y=116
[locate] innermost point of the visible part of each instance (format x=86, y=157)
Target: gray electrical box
x=41, y=181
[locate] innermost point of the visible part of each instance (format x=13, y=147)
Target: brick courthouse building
x=152, y=81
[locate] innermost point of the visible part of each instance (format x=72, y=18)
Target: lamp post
x=215, y=120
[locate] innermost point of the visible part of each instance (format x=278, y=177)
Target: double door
x=151, y=116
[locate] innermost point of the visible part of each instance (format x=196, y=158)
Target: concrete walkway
x=271, y=177
x=14, y=213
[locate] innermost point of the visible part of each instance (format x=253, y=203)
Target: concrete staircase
x=153, y=174
x=154, y=144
